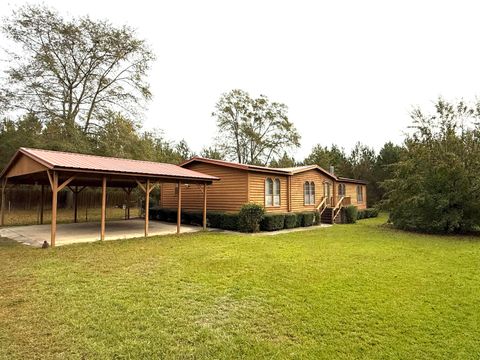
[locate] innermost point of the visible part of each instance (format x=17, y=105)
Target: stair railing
x=337, y=208
x=322, y=206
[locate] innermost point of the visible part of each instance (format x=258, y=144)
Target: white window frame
x=309, y=193
x=359, y=194
x=268, y=192
x=276, y=192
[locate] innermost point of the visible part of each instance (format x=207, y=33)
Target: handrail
x=337, y=209
x=322, y=203
x=339, y=203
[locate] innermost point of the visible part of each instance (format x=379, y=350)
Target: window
x=309, y=193
x=341, y=190
x=272, y=192
x=276, y=192
x=268, y=192
x=359, y=193
x=312, y=193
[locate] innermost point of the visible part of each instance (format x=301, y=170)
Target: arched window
x=359, y=193
x=341, y=190
x=268, y=192
x=309, y=193
x=276, y=192
x=306, y=193
x=312, y=193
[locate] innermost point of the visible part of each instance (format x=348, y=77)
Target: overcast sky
x=348, y=70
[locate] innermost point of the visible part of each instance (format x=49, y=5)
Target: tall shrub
x=436, y=187
x=249, y=217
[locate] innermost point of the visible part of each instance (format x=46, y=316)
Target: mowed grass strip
x=348, y=291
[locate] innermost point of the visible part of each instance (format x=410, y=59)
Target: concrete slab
x=35, y=235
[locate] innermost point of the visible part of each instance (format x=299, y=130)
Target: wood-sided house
x=303, y=188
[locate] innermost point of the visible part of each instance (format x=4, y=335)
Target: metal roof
x=59, y=160
x=286, y=171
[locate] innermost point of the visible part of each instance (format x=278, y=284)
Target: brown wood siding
x=351, y=191
x=24, y=165
x=297, y=189
x=227, y=194
x=257, y=190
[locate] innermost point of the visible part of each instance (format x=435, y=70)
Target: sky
x=348, y=70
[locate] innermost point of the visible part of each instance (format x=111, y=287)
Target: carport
x=59, y=170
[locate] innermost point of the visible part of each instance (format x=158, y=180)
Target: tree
x=73, y=72
x=326, y=157
x=212, y=153
x=253, y=131
x=284, y=162
x=387, y=157
x=435, y=187
x=25, y=132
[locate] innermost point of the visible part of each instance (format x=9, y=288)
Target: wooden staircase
x=327, y=216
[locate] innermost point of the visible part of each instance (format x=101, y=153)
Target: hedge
x=367, y=213
x=308, y=218
x=215, y=219
x=273, y=222
x=351, y=214
x=290, y=220
x=238, y=221
x=250, y=216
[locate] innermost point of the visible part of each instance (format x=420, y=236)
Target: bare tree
x=253, y=131
x=75, y=70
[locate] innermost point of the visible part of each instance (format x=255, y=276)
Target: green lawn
x=349, y=291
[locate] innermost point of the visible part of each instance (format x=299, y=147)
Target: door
x=327, y=193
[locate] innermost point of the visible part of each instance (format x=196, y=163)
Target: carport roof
x=66, y=161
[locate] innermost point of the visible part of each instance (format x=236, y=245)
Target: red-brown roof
x=286, y=171
x=60, y=160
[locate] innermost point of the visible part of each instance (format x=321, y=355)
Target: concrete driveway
x=35, y=235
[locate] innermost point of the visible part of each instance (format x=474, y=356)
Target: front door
x=327, y=193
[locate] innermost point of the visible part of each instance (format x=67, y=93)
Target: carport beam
x=104, y=207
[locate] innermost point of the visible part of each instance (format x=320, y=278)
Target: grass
x=349, y=291
x=30, y=217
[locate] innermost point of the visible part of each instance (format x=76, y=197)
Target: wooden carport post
x=53, y=226
x=75, y=192
x=53, y=178
x=204, y=206
x=2, y=205
x=147, y=205
x=104, y=208
x=179, y=209
x=147, y=189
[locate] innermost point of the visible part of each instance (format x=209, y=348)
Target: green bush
x=290, y=220
x=230, y=221
x=249, y=217
x=307, y=218
x=215, y=219
x=273, y=222
x=367, y=213
x=299, y=217
x=351, y=214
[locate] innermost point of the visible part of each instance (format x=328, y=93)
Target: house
x=303, y=188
